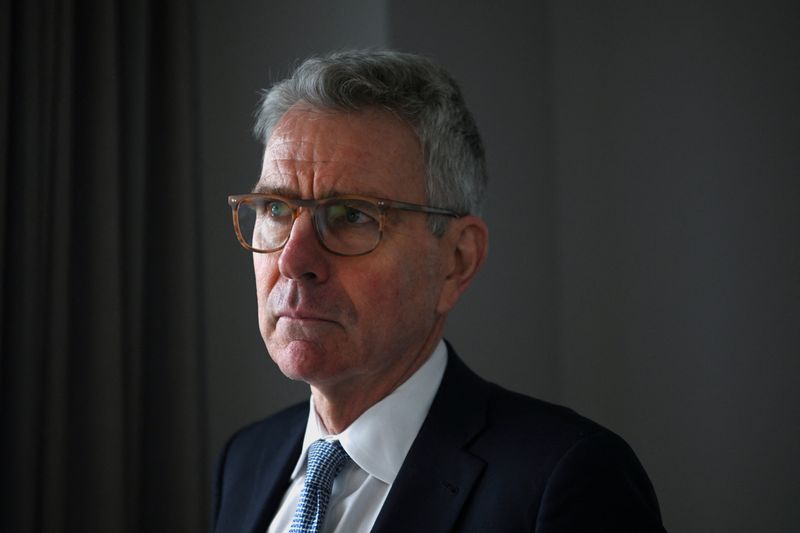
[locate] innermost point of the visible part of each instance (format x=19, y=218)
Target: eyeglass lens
x=344, y=226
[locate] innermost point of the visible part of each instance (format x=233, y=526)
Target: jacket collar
x=439, y=473
x=277, y=468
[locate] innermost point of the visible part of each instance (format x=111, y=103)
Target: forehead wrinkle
x=319, y=155
x=288, y=183
x=316, y=153
x=303, y=138
x=291, y=168
x=308, y=152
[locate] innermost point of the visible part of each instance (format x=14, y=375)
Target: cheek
x=264, y=268
x=395, y=296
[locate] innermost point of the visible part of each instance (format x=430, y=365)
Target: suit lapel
x=276, y=465
x=438, y=473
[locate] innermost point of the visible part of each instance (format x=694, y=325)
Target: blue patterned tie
x=325, y=461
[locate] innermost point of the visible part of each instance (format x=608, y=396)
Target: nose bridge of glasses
x=299, y=206
x=309, y=205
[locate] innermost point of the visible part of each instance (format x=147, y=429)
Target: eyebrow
x=260, y=188
x=287, y=192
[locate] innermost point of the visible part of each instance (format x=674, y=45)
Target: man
x=365, y=232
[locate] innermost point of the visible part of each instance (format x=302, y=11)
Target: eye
x=277, y=209
x=348, y=214
x=354, y=216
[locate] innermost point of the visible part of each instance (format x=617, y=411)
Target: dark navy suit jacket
x=485, y=460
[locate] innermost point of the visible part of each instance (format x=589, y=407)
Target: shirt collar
x=380, y=438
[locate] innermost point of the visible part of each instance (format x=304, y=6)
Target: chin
x=303, y=361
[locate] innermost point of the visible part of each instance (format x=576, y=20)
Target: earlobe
x=467, y=242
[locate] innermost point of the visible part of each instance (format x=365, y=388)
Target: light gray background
x=644, y=265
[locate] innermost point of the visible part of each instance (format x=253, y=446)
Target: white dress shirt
x=377, y=442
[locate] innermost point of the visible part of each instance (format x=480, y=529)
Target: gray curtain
x=102, y=409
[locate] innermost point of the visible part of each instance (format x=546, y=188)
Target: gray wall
x=644, y=264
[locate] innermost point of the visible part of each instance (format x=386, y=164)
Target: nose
x=303, y=257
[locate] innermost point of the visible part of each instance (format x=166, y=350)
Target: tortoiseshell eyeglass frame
x=382, y=205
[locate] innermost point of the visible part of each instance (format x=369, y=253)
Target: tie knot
x=325, y=460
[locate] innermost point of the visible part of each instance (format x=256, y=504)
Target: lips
x=301, y=304
x=305, y=316
x=303, y=313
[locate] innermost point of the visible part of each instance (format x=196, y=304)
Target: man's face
x=348, y=321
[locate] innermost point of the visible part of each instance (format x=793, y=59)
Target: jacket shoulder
x=513, y=418
x=567, y=467
x=530, y=418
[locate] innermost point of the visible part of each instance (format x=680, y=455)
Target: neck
x=340, y=405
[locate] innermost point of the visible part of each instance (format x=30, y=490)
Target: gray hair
x=416, y=89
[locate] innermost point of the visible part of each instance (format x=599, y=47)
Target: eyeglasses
x=345, y=225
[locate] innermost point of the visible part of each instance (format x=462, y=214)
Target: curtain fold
x=102, y=383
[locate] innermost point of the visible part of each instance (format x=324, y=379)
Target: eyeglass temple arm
x=420, y=208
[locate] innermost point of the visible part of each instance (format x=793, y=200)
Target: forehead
x=317, y=153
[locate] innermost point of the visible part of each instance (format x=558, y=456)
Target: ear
x=467, y=243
